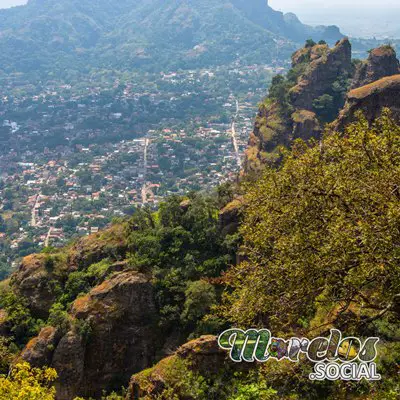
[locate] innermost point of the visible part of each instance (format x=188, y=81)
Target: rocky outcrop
x=371, y=99
x=202, y=356
x=321, y=74
x=305, y=125
x=316, y=70
x=94, y=248
x=381, y=62
x=113, y=334
x=34, y=282
x=40, y=276
x=322, y=77
x=229, y=216
x=39, y=350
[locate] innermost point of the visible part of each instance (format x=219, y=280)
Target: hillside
x=48, y=35
x=313, y=93
x=307, y=241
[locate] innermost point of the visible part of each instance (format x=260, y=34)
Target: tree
x=27, y=383
x=324, y=106
x=310, y=43
x=321, y=234
x=200, y=296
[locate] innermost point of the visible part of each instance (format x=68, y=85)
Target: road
x=47, y=241
x=33, y=218
x=145, y=187
x=234, y=137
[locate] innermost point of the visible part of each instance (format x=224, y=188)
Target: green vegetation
x=26, y=383
x=180, y=245
x=320, y=235
x=168, y=35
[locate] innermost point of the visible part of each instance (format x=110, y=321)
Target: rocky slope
x=381, y=62
x=371, y=100
x=323, y=84
x=112, y=334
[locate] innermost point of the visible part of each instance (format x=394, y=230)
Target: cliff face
x=326, y=66
x=101, y=338
x=371, y=99
x=316, y=92
x=299, y=104
x=381, y=62
x=112, y=335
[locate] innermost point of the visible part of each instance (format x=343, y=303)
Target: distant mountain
x=51, y=35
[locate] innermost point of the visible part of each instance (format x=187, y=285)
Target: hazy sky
x=10, y=3
x=287, y=5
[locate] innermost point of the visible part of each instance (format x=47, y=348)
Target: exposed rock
x=94, y=248
x=33, y=281
x=371, y=99
x=229, y=216
x=270, y=131
x=69, y=360
x=201, y=355
x=113, y=335
x=204, y=354
x=381, y=62
x=305, y=125
x=317, y=70
x=35, y=278
x=185, y=205
x=322, y=72
x=39, y=350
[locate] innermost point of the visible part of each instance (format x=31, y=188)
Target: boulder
x=34, y=281
x=305, y=125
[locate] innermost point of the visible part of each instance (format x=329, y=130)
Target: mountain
x=315, y=90
x=51, y=35
x=118, y=306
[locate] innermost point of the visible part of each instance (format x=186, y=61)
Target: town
x=70, y=174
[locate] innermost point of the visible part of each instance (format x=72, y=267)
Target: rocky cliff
x=325, y=68
x=98, y=339
x=299, y=104
x=381, y=62
x=112, y=334
x=322, y=84
x=371, y=100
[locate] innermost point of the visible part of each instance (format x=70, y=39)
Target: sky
x=10, y=3
x=357, y=18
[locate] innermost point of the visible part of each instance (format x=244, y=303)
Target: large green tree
x=322, y=235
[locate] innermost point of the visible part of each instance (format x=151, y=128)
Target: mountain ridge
x=155, y=34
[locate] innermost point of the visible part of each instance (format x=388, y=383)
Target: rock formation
x=112, y=334
x=317, y=88
x=381, y=62
x=371, y=99
x=326, y=66
x=317, y=70
x=201, y=355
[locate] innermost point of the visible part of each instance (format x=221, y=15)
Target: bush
x=28, y=383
